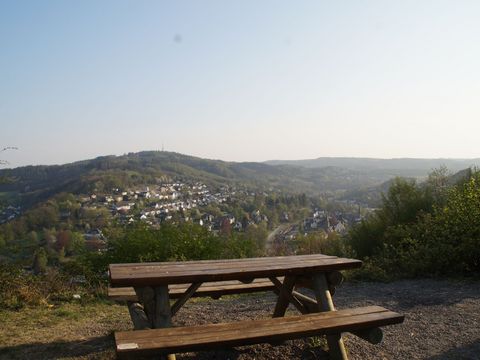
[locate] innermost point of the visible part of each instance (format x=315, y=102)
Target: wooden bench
x=132, y=344
x=212, y=289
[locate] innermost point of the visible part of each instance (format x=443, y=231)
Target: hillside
x=343, y=178
x=32, y=184
x=400, y=167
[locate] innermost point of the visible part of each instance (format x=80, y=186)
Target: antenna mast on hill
x=163, y=148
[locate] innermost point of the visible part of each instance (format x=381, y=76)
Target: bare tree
x=5, y=162
x=4, y=179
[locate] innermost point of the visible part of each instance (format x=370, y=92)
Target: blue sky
x=240, y=81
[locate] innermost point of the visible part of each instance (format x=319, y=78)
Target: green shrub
x=423, y=231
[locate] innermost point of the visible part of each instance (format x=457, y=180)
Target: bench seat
x=210, y=289
x=131, y=344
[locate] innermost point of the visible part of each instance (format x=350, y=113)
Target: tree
x=450, y=237
x=63, y=241
x=40, y=261
x=401, y=207
x=77, y=244
x=320, y=243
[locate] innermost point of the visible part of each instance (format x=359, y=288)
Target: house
x=123, y=207
x=208, y=218
x=94, y=234
x=145, y=194
x=238, y=226
x=65, y=214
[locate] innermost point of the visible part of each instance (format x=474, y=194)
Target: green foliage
x=432, y=229
x=320, y=243
x=140, y=244
x=450, y=236
x=257, y=234
x=186, y=241
x=402, y=205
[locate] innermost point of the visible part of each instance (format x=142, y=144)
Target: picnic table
x=149, y=287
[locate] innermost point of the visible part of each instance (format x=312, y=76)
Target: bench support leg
x=183, y=299
x=325, y=303
x=138, y=316
x=287, y=293
x=283, y=301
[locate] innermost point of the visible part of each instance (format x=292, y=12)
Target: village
x=219, y=209
x=193, y=202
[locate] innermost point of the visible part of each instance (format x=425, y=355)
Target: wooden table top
x=164, y=273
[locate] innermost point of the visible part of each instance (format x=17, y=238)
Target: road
x=273, y=234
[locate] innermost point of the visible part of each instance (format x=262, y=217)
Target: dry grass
x=62, y=332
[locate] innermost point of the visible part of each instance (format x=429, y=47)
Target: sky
x=239, y=80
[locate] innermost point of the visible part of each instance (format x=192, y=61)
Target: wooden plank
x=229, y=263
x=167, y=273
x=373, y=336
x=183, y=339
x=175, y=270
x=213, y=289
x=239, y=264
x=223, y=261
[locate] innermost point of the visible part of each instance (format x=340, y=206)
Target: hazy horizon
x=239, y=81
x=9, y=165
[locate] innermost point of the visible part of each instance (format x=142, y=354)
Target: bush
x=416, y=233
x=140, y=243
x=19, y=288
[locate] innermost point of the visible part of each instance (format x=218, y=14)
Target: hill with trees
x=405, y=167
x=333, y=177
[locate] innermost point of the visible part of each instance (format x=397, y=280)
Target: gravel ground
x=442, y=321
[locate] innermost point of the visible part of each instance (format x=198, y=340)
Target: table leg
x=325, y=303
x=156, y=308
x=282, y=301
x=163, y=314
x=146, y=296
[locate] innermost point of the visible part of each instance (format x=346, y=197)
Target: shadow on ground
x=470, y=352
x=97, y=348
x=103, y=348
x=404, y=295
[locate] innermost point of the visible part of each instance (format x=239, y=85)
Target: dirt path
x=269, y=243
x=442, y=322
